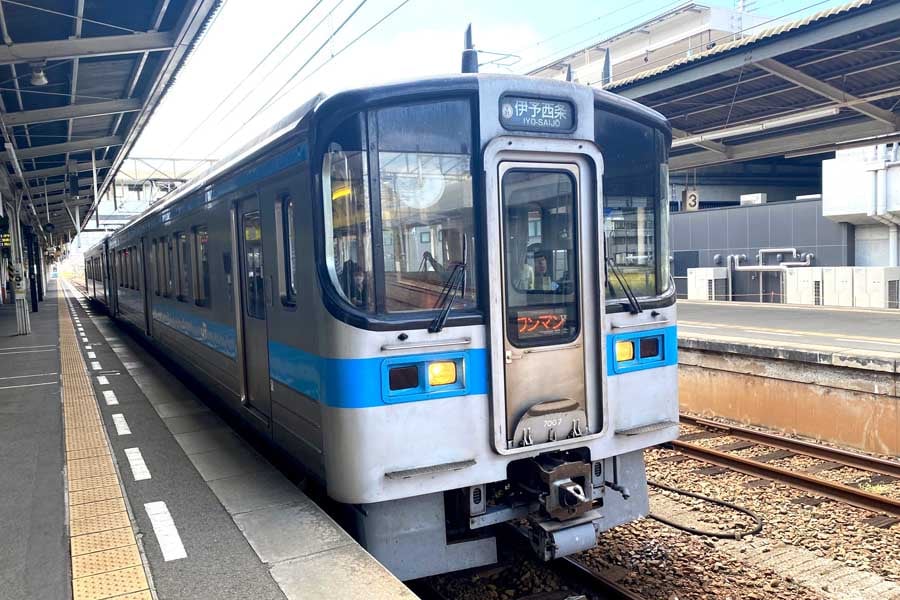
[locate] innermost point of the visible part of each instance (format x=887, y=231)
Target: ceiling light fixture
x=38, y=77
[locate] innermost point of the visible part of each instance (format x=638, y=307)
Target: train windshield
x=635, y=204
x=398, y=222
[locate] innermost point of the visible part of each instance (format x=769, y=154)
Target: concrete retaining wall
x=843, y=398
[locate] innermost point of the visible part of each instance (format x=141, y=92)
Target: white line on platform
x=695, y=326
x=92, y=355
x=95, y=365
x=136, y=461
x=27, y=351
x=102, y=380
x=24, y=376
x=84, y=339
x=28, y=347
x=88, y=347
x=110, y=397
x=121, y=424
x=772, y=333
x=10, y=387
x=857, y=341
x=165, y=530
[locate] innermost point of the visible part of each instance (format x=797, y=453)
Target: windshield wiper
x=633, y=304
x=455, y=285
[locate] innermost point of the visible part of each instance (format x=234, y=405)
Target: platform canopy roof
x=814, y=85
x=78, y=81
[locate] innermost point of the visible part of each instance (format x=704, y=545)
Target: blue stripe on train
x=362, y=382
x=338, y=382
x=215, y=335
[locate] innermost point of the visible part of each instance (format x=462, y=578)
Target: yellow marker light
x=442, y=373
x=624, y=351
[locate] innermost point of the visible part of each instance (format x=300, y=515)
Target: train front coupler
x=569, y=497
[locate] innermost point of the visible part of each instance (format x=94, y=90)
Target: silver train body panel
x=368, y=450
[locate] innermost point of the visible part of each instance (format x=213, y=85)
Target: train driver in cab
x=355, y=284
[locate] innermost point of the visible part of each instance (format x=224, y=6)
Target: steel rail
x=590, y=577
x=821, y=487
x=844, y=457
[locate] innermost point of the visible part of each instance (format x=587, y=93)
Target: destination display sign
x=536, y=114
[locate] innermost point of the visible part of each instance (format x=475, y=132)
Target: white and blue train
x=449, y=300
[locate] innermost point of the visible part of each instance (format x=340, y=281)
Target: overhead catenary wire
x=260, y=109
x=345, y=47
x=285, y=57
x=577, y=27
x=563, y=52
x=332, y=57
x=247, y=75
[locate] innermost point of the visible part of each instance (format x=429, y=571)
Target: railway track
x=609, y=589
x=789, y=447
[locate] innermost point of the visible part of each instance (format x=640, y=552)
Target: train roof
x=322, y=104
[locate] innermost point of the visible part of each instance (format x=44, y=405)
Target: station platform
x=874, y=332
x=120, y=483
x=832, y=374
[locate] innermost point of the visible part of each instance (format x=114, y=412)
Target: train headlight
x=441, y=373
x=624, y=351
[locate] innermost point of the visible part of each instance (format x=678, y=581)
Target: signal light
x=624, y=351
x=441, y=373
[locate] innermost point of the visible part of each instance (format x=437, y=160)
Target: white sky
x=246, y=29
x=423, y=38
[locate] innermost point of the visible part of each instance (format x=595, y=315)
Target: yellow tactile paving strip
x=106, y=562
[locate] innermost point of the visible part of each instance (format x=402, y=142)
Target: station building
x=784, y=149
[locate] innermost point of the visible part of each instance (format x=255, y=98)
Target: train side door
x=254, y=342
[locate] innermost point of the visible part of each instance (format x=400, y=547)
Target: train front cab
x=535, y=395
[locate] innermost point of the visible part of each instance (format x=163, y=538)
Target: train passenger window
x=427, y=218
x=635, y=204
x=154, y=258
x=201, y=248
x=137, y=267
x=347, y=215
x=184, y=267
x=171, y=282
x=541, y=269
x=254, y=284
x=284, y=240
x=126, y=257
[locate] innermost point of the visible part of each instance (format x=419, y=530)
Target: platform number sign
x=536, y=114
x=691, y=199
